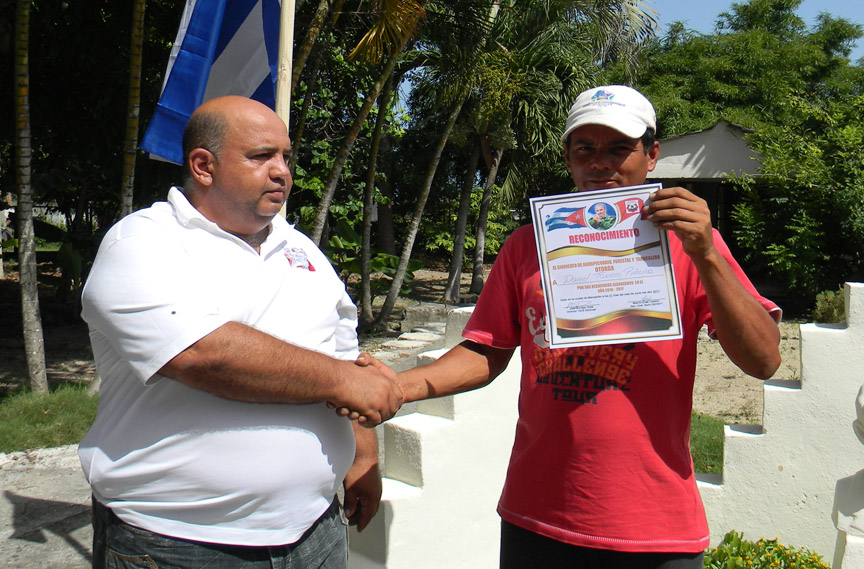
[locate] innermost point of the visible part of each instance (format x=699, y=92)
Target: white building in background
x=702, y=161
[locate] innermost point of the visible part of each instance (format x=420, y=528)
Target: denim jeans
x=523, y=549
x=118, y=545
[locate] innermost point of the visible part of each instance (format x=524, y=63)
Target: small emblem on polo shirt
x=297, y=258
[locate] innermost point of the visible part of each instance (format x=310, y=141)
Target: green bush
x=737, y=553
x=830, y=307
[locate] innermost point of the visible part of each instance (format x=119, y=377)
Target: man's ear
x=653, y=156
x=201, y=163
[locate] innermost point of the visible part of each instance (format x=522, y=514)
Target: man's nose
x=601, y=161
x=281, y=170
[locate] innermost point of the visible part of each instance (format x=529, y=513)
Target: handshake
x=370, y=394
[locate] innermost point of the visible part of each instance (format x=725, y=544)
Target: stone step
x=432, y=328
x=404, y=345
x=427, y=337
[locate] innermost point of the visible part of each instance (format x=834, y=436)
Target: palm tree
x=366, y=317
x=34, y=345
x=316, y=25
x=454, y=277
x=562, y=36
x=130, y=149
x=482, y=217
x=455, y=65
x=557, y=63
x=397, y=22
x=414, y=225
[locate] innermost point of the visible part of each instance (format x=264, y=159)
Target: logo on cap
x=602, y=95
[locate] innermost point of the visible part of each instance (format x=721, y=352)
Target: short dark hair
x=648, y=139
x=205, y=130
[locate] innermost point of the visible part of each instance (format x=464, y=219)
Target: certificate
x=606, y=272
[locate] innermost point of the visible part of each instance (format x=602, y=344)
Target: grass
x=706, y=444
x=31, y=420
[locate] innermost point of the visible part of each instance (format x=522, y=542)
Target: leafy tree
x=760, y=53
x=803, y=219
x=80, y=53
x=396, y=24
x=799, y=222
x=509, y=76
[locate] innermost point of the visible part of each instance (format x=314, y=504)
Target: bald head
x=237, y=174
x=209, y=124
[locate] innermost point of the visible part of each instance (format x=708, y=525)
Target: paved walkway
x=44, y=511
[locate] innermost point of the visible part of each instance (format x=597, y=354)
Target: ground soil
x=721, y=389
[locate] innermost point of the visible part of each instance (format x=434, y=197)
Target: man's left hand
x=362, y=492
x=681, y=211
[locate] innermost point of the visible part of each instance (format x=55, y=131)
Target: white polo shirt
x=176, y=460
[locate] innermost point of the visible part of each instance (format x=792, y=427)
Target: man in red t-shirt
x=601, y=474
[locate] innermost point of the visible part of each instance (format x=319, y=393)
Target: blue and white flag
x=223, y=47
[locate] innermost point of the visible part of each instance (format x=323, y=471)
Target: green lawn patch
x=42, y=420
x=706, y=444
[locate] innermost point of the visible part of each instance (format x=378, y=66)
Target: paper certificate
x=606, y=272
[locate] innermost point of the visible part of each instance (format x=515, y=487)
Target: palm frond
x=397, y=22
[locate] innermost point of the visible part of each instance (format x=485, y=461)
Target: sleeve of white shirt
x=145, y=297
x=347, y=345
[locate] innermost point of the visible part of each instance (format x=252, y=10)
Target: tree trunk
x=386, y=237
x=130, y=147
x=297, y=138
x=2, y=235
x=454, y=279
x=34, y=346
x=482, y=217
x=399, y=277
x=345, y=150
x=366, y=316
x=315, y=27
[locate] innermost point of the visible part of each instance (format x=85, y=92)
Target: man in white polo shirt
x=221, y=333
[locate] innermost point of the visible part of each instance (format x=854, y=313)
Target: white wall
x=445, y=464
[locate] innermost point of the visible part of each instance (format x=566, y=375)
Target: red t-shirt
x=602, y=454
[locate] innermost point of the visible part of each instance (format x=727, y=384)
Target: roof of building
x=709, y=154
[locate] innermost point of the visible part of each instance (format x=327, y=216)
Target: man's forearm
x=746, y=331
x=465, y=367
x=241, y=363
x=363, y=481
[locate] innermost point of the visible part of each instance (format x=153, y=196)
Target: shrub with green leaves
x=830, y=307
x=737, y=553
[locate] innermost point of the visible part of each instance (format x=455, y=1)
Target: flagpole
x=283, y=75
x=286, y=53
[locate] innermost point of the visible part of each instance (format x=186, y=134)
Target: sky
x=700, y=15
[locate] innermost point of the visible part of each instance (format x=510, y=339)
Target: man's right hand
x=367, y=395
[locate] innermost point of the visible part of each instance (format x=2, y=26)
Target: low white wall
x=444, y=469
x=780, y=481
x=445, y=465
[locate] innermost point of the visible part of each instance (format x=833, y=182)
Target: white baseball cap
x=617, y=106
